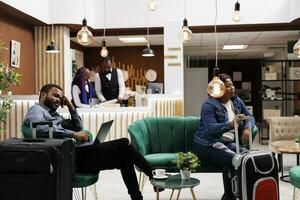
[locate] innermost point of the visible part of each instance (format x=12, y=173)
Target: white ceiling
x=203, y=44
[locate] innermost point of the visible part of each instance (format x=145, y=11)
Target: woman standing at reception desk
x=82, y=90
x=109, y=83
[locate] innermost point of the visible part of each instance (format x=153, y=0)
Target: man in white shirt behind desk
x=109, y=82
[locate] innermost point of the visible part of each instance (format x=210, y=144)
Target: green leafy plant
x=187, y=161
x=8, y=77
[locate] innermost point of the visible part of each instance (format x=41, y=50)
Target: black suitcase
x=36, y=169
x=256, y=175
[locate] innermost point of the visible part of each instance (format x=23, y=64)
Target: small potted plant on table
x=187, y=162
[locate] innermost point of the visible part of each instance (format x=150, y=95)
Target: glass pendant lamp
x=186, y=32
x=104, y=51
x=152, y=5
x=216, y=87
x=84, y=36
x=236, y=17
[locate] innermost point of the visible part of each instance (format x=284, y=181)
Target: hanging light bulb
x=236, y=17
x=216, y=87
x=104, y=52
x=148, y=52
x=186, y=32
x=296, y=49
x=84, y=36
x=152, y=5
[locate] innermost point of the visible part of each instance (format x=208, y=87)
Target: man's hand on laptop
x=81, y=136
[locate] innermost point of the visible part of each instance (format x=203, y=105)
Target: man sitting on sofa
x=119, y=154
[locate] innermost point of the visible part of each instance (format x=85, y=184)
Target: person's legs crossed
x=118, y=154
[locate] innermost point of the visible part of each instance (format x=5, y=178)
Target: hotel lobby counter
x=158, y=105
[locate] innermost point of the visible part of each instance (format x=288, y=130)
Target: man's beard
x=50, y=104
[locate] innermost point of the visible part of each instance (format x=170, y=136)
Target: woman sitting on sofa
x=217, y=118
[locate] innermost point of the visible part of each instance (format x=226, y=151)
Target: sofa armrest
x=139, y=139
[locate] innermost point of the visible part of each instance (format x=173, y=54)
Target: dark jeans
x=116, y=154
x=222, y=158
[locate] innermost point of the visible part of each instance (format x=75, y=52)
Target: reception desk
x=158, y=105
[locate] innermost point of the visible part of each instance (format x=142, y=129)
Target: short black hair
x=46, y=88
x=224, y=77
x=106, y=59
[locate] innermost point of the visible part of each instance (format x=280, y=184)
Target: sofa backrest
x=283, y=128
x=163, y=134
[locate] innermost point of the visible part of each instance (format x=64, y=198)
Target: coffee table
x=174, y=182
x=288, y=150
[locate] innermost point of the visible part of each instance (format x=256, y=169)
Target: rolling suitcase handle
x=248, y=120
x=35, y=124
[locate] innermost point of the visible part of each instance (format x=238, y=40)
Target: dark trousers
x=116, y=154
x=222, y=158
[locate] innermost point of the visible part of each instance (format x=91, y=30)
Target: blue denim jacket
x=214, y=120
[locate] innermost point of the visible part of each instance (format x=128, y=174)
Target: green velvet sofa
x=159, y=139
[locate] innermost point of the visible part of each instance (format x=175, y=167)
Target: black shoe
x=159, y=189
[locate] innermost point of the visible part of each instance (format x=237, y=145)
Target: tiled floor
x=111, y=187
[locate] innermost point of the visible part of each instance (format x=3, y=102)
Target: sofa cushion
x=167, y=161
x=161, y=159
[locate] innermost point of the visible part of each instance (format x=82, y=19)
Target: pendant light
x=236, y=17
x=104, y=51
x=296, y=48
x=84, y=36
x=216, y=87
x=52, y=47
x=186, y=32
x=152, y=5
x=148, y=52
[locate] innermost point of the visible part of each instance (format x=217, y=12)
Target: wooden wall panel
x=49, y=67
x=15, y=29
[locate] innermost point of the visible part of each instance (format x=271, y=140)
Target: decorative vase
x=185, y=174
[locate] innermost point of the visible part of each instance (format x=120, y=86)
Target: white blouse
x=76, y=92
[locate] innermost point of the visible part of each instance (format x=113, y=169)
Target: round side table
x=288, y=150
x=174, y=182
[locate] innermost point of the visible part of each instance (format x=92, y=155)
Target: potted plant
x=8, y=77
x=187, y=162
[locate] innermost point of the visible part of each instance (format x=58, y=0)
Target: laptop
x=101, y=135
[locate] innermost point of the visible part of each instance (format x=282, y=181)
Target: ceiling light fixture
x=296, y=48
x=148, y=52
x=52, y=47
x=236, y=17
x=84, y=36
x=104, y=51
x=216, y=87
x=133, y=39
x=235, y=47
x=186, y=32
x=152, y=5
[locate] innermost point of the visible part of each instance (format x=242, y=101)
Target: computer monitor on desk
x=155, y=88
